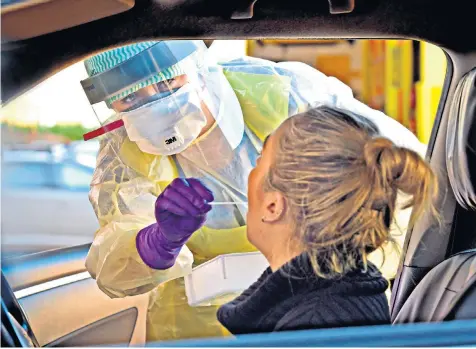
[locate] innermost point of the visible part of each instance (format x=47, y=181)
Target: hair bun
x=374, y=148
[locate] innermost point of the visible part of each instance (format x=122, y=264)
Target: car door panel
x=115, y=329
x=65, y=307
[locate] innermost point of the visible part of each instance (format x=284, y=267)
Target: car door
x=64, y=306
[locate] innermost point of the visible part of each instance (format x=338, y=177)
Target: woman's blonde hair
x=341, y=179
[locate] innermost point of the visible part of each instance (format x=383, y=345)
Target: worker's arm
x=124, y=200
x=114, y=262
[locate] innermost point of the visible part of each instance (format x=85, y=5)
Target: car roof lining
x=210, y=19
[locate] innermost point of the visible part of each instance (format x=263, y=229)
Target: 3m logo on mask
x=171, y=140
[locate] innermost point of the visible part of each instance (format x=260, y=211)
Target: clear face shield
x=170, y=100
x=166, y=97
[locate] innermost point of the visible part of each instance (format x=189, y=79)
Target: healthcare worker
x=185, y=133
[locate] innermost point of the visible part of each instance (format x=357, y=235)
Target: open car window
x=90, y=186
x=389, y=76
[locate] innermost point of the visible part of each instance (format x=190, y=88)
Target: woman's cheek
x=251, y=183
x=251, y=194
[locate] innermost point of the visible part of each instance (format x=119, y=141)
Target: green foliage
x=72, y=132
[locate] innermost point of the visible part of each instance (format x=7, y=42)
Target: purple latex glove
x=180, y=210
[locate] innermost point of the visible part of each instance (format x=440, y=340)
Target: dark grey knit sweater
x=294, y=298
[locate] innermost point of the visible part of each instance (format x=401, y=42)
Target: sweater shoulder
x=325, y=311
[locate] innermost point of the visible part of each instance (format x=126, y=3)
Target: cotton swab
x=228, y=203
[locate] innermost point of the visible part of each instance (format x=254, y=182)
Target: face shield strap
x=148, y=63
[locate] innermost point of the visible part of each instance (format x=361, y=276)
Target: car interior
x=49, y=299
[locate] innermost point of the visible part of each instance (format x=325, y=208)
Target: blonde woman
x=321, y=199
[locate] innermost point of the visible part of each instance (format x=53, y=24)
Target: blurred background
x=45, y=162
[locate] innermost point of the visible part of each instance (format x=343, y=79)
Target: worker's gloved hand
x=180, y=210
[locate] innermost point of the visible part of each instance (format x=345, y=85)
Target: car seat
x=448, y=291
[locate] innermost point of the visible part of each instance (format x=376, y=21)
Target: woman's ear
x=275, y=207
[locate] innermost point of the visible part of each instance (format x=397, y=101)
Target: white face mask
x=169, y=125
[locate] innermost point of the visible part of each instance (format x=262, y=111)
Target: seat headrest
x=460, y=146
